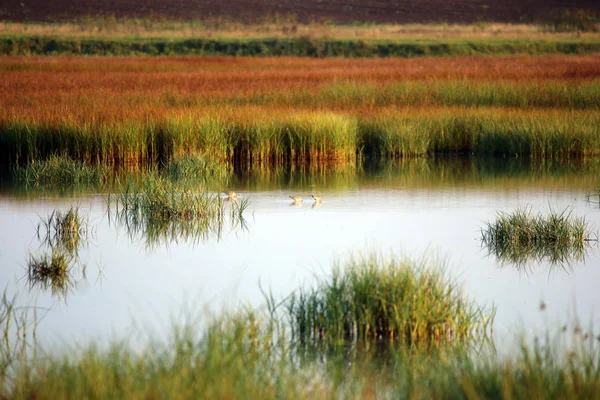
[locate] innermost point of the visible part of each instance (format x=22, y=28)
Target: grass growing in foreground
x=248, y=355
x=523, y=236
x=372, y=298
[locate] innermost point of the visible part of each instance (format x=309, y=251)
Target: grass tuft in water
x=161, y=210
x=60, y=170
x=523, y=236
x=372, y=298
x=50, y=271
x=64, y=230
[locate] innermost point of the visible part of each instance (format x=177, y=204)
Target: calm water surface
x=417, y=208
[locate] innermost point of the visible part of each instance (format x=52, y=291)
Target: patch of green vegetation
x=287, y=46
x=570, y=20
x=66, y=231
x=162, y=211
x=249, y=354
x=374, y=298
x=522, y=236
x=51, y=271
x=59, y=170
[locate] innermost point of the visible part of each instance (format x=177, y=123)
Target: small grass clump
x=64, y=230
x=50, y=271
x=60, y=170
x=523, y=236
x=159, y=209
x=371, y=298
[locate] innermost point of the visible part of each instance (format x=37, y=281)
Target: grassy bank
x=295, y=46
x=251, y=353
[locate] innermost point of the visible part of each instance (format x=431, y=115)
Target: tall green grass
x=309, y=137
x=372, y=298
x=523, y=236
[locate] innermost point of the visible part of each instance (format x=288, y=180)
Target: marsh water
x=421, y=208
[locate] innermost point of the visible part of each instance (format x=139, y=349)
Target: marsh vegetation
x=250, y=352
x=522, y=236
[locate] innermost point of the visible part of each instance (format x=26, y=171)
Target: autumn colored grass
x=294, y=111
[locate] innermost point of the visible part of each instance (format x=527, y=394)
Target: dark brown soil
x=399, y=11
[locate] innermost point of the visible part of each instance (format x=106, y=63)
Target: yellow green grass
x=312, y=137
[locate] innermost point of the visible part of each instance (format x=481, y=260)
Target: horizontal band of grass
x=351, y=95
x=254, y=136
x=374, y=298
x=521, y=236
x=299, y=47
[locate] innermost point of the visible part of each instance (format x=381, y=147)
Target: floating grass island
x=522, y=236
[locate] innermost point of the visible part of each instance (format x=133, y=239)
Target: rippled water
x=421, y=208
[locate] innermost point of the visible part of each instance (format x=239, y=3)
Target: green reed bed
x=310, y=137
x=372, y=298
x=523, y=236
x=297, y=138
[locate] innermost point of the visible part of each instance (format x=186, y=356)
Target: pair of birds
x=297, y=199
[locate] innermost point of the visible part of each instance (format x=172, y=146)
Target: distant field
x=400, y=11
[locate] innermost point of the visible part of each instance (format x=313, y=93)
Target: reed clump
x=50, y=271
x=67, y=230
x=59, y=170
x=161, y=210
x=523, y=236
x=372, y=298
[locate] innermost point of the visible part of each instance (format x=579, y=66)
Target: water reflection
x=58, y=268
x=162, y=232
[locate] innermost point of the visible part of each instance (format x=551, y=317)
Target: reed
x=523, y=236
x=372, y=298
x=60, y=171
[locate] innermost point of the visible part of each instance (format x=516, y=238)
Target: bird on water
x=318, y=199
x=297, y=199
x=231, y=195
